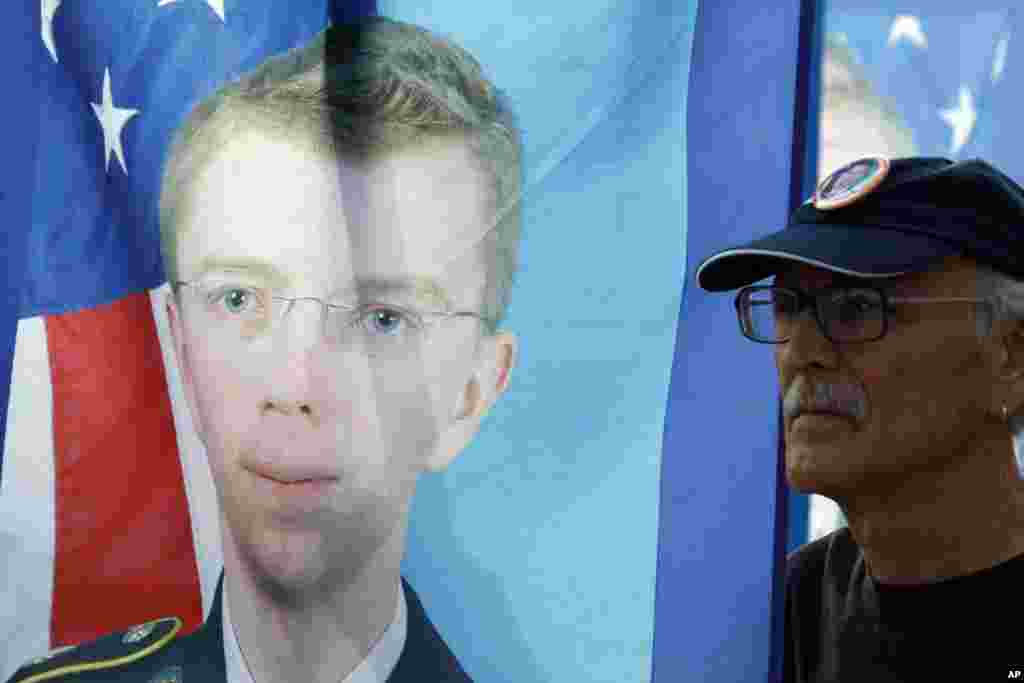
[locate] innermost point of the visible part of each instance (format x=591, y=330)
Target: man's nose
x=807, y=344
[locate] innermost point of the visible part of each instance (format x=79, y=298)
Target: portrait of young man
x=339, y=228
x=896, y=319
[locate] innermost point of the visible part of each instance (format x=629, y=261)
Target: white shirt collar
x=376, y=668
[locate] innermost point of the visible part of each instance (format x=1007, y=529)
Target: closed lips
x=290, y=471
x=293, y=479
x=823, y=398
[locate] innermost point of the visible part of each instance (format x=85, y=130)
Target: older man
x=340, y=229
x=896, y=318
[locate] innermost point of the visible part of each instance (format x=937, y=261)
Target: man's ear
x=184, y=366
x=496, y=358
x=1010, y=370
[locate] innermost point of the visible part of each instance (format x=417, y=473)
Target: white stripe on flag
x=202, y=496
x=27, y=504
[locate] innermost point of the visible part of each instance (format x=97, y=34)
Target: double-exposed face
x=867, y=416
x=316, y=445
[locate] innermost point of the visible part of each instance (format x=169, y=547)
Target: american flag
x=951, y=71
x=108, y=517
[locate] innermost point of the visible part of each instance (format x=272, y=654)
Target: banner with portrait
x=618, y=516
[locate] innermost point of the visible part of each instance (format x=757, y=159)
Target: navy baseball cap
x=877, y=218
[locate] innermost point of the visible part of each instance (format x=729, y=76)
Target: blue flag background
x=723, y=504
x=951, y=70
x=538, y=547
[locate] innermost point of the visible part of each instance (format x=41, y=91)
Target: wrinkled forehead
x=417, y=213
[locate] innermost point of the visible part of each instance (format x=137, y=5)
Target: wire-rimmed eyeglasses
x=844, y=314
x=245, y=313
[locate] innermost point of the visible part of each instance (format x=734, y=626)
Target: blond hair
x=362, y=91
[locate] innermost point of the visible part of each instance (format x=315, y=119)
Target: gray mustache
x=806, y=396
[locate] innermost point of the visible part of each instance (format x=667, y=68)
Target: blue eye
x=379, y=320
x=235, y=299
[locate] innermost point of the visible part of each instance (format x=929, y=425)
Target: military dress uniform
x=154, y=652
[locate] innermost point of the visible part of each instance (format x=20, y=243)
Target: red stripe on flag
x=124, y=551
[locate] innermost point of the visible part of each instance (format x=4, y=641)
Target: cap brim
x=854, y=250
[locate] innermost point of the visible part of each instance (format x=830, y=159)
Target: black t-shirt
x=843, y=626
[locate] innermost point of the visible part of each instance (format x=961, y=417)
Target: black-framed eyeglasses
x=844, y=314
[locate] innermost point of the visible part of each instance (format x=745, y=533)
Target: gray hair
x=359, y=92
x=1007, y=293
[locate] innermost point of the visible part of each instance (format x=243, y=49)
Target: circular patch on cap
x=140, y=632
x=850, y=183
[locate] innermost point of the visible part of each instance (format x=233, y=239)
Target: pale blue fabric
x=535, y=553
